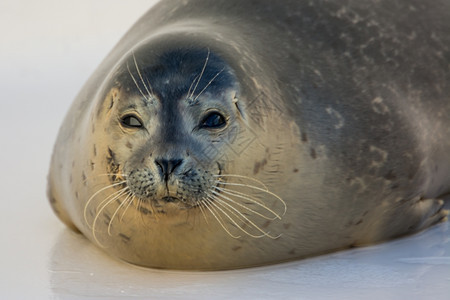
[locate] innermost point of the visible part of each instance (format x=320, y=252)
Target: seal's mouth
x=170, y=199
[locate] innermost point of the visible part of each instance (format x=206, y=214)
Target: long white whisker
x=218, y=218
x=248, y=208
x=200, y=205
x=136, y=83
x=117, y=210
x=248, y=198
x=201, y=75
x=258, y=189
x=216, y=203
x=240, y=195
x=91, y=178
x=192, y=83
x=241, y=217
x=243, y=177
x=128, y=206
x=209, y=83
x=94, y=195
x=121, y=192
x=140, y=76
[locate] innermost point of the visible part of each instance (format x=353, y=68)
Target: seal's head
x=169, y=127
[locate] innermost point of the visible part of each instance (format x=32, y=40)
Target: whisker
x=121, y=192
x=219, y=218
x=240, y=195
x=209, y=83
x=243, y=177
x=258, y=189
x=215, y=203
x=100, y=175
x=190, y=87
x=133, y=198
x=136, y=83
x=117, y=210
x=248, y=208
x=94, y=195
x=241, y=217
x=249, y=198
x=200, y=205
x=142, y=80
x=201, y=75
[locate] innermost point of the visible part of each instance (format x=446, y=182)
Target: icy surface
x=48, y=49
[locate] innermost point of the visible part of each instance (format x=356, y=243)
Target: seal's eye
x=213, y=120
x=131, y=121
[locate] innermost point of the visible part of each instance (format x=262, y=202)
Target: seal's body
x=229, y=134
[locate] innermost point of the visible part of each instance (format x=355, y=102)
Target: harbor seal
x=229, y=134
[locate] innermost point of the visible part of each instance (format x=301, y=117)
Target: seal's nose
x=167, y=166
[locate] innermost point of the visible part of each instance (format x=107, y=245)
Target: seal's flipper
x=431, y=211
x=417, y=214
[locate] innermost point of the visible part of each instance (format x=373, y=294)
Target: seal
x=244, y=133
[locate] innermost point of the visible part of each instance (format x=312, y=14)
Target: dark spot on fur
x=113, y=166
x=259, y=165
x=95, y=150
x=70, y=178
x=286, y=226
x=83, y=177
x=144, y=210
x=304, y=137
x=359, y=222
x=125, y=238
x=236, y=248
x=292, y=252
x=93, y=127
x=266, y=224
x=295, y=171
x=365, y=213
x=111, y=155
x=390, y=175
x=403, y=201
x=107, y=219
x=313, y=153
x=76, y=195
x=129, y=145
x=52, y=200
x=394, y=186
x=92, y=165
x=111, y=103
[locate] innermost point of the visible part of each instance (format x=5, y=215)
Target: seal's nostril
x=167, y=166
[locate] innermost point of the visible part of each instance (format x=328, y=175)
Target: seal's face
x=169, y=113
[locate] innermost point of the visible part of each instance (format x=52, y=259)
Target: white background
x=47, y=50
